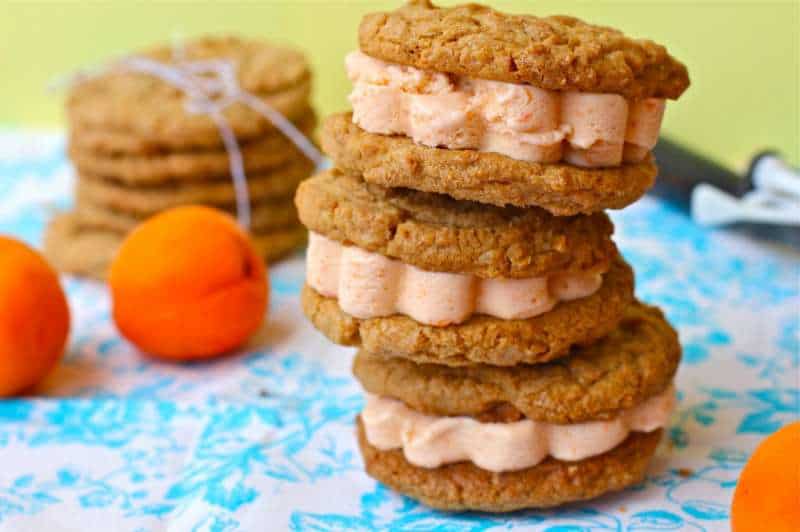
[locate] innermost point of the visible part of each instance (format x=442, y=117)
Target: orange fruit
x=34, y=317
x=767, y=496
x=187, y=284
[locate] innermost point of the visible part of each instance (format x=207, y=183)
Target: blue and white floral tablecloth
x=264, y=440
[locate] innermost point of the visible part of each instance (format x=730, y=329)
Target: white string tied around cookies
x=210, y=87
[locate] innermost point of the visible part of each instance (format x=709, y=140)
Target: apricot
x=34, y=317
x=767, y=495
x=187, y=284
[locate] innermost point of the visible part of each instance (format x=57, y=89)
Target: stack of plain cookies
x=138, y=149
x=460, y=242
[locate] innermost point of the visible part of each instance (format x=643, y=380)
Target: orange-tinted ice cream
x=519, y=121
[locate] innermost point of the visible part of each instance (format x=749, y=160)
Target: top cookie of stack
x=140, y=146
x=133, y=113
x=550, y=112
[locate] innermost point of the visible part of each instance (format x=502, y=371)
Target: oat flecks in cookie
x=636, y=361
x=437, y=233
x=151, y=114
x=481, y=339
x=464, y=486
x=556, y=53
x=561, y=189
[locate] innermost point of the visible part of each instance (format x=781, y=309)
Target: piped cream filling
x=433, y=441
x=520, y=121
x=370, y=285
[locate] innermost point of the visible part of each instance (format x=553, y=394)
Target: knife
x=765, y=202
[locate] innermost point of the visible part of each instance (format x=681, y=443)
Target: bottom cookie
x=464, y=486
x=74, y=249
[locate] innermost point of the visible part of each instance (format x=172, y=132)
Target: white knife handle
x=771, y=173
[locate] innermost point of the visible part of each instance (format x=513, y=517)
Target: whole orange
x=187, y=284
x=34, y=317
x=767, y=495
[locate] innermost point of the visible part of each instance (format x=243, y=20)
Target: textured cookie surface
x=556, y=53
x=152, y=115
x=259, y=155
x=275, y=184
x=464, y=486
x=636, y=361
x=74, y=249
x=564, y=190
x=481, y=339
x=435, y=232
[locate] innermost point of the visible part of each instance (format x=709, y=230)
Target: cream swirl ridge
x=433, y=441
x=370, y=285
x=520, y=121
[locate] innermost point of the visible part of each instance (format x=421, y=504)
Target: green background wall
x=743, y=58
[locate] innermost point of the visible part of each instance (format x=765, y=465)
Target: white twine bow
x=210, y=87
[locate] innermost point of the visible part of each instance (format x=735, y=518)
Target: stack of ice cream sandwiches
x=141, y=144
x=460, y=242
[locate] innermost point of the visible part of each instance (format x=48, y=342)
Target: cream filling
x=433, y=441
x=370, y=285
x=519, y=121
